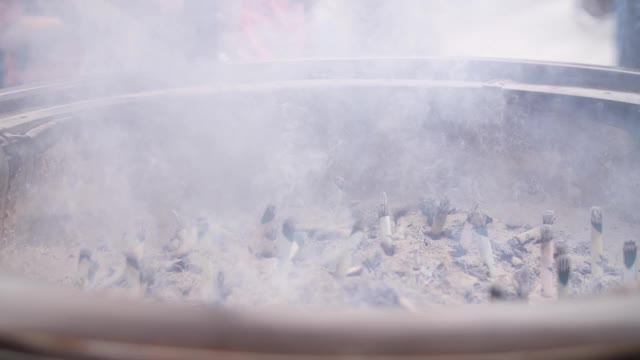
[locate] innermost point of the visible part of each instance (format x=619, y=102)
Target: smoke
x=173, y=39
x=224, y=156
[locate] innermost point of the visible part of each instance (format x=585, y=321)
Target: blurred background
x=50, y=39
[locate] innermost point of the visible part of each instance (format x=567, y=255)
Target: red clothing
x=272, y=29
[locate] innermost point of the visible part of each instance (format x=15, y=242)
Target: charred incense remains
x=358, y=226
x=400, y=213
x=559, y=250
x=386, y=242
x=222, y=287
x=185, y=239
x=563, y=264
x=266, y=234
x=289, y=229
x=630, y=254
x=597, y=256
x=202, y=226
x=86, y=269
x=428, y=208
x=139, y=243
x=522, y=282
x=268, y=215
x=440, y=217
x=481, y=236
x=132, y=276
x=497, y=293
x=546, y=260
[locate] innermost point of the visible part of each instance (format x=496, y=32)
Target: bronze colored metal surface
x=65, y=321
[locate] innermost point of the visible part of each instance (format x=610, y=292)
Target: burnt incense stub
x=481, y=230
x=358, y=226
x=564, y=269
x=548, y=217
x=596, y=218
x=522, y=282
x=202, y=226
x=132, y=260
x=428, y=208
x=444, y=206
x=289, y=228
x=388, y=248
x=269, y=214
x=630, y=252
x=546, y=233
x=85, y=255
x=560, y=250
x=87, y=264
x=384, y=206
x=383, y=211
x=497, y=293
x=477, y=218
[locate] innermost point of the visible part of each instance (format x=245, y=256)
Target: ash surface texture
x=321, y=159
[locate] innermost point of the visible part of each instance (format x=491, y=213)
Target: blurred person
x=627, y=13
x=628, y=33
x=598, y=8
x=26, y=47
x=273, y=29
